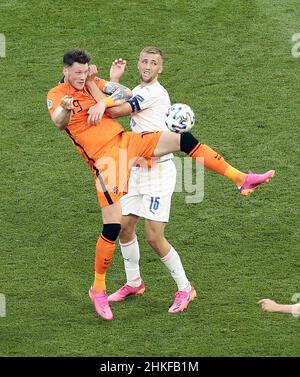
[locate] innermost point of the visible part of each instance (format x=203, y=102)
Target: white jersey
x=151, y=102
x=150, y=190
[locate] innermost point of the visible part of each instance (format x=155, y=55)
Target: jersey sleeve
x=100, y=83
x=143, y=99
x=53, y=99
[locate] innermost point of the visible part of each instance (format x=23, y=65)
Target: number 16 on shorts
x=154, y=203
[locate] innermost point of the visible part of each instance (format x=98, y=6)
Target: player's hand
x=67, y=103
x=117, y=69
x=268, y=305
x=92, y=72
x=96, y=113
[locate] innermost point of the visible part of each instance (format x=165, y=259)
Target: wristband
x=109, y=102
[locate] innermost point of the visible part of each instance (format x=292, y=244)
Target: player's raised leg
x=105, y=248
x=186, y=142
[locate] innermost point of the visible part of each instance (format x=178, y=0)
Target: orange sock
x=215, y=162
x=235, y=175
x=104, y=253
x=99, y=282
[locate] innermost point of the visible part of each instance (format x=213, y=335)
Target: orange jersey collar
x=71, y=90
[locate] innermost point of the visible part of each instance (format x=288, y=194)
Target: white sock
x=173, y=263
x=131, y=255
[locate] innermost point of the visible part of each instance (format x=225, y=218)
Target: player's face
x=149, y=66
x=76, y=75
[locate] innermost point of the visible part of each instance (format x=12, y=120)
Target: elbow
x=60, y=126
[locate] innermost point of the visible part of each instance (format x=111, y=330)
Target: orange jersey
x=108, y=149
x=88, y=139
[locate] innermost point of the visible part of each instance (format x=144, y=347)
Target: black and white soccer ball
x=180, y=118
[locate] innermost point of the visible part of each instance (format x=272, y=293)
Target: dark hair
x=76, y=56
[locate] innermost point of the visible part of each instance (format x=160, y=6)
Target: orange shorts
x=112, y=167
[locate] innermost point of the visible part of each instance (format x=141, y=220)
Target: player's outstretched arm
x=272, y=306
x=62, y=114
x=117, y=69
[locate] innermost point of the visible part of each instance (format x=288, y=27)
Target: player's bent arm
x=119, y=97
x=95, y=91
x=62, y=114
x=109, y=104
x=119, y=111
x=110, y=87
x=61, y=117
x=119, y=93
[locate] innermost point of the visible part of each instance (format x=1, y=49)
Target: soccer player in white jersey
x=150, y=189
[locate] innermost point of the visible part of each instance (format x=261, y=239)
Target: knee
x=154, y=240
x=111, y=231
x=187, y=142
x=127, y=234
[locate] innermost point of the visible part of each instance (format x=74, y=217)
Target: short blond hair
x=152, y=50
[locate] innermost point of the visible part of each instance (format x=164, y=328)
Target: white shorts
x=150, y=191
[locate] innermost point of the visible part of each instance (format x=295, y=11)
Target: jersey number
x=154, y=203
x=77, y=106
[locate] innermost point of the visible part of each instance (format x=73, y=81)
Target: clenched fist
x=67, y=103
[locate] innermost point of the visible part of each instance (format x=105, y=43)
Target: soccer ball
x=180, y=118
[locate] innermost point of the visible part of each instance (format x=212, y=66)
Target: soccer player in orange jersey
x=111, y=152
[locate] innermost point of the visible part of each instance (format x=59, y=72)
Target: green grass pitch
x=231, y=61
